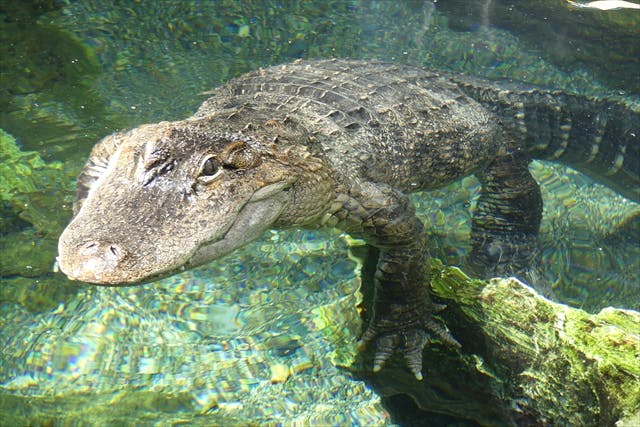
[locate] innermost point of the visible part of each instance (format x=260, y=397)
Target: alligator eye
x=209, y=170
x=209, y=167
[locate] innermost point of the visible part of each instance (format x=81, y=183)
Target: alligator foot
x=406, y=329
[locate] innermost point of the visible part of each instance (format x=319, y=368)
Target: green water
x=257, y=337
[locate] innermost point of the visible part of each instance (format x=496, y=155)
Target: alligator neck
x=282, y=137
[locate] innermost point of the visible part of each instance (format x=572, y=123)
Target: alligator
x=340, y=143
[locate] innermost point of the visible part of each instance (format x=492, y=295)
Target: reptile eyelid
x=239, y=155
x=206, y=178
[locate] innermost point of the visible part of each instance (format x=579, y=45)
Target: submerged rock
x=526, y=360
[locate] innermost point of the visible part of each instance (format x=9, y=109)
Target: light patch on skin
x=102, y=171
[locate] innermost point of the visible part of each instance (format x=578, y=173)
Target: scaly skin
x=339, y=143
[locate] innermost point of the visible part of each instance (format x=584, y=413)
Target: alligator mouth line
x=255, y=216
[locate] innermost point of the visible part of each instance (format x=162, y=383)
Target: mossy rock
x=524, y=359
x=37, y=193
x=35, y=205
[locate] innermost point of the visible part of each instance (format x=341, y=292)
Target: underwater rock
x=31, y=188
x=605, y=42
x=32, y=194
x=31, y=201
x=546, y=363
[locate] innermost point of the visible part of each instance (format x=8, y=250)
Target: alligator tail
x=599, y=137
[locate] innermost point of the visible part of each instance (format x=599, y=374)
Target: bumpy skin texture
x=339, y=143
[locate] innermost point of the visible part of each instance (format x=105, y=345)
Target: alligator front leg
x=402, y=314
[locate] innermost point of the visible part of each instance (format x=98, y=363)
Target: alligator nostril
x=109, y=252
x=89, y=248
x=114, y=251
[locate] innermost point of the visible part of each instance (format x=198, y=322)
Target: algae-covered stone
x=35, y=191
x=35, y=200
x=546, y=363
x=32, y=198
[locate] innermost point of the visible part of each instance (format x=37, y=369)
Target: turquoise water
x=258, y=336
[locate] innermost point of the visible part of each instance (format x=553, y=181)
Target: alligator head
x=170, y=196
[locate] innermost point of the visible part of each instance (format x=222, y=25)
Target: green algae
x=561, y=364
x=31, y=191
x=524, y=359
x=32, y=194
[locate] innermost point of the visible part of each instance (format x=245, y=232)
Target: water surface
x=258, y=335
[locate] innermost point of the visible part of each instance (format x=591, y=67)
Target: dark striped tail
x=599, y=137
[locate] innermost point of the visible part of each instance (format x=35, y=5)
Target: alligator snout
x=93, y=261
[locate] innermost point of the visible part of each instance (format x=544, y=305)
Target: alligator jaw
x=258, y=215
x=111, y=264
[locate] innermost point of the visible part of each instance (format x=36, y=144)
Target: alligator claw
x=384, y=346
x=394, y=332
